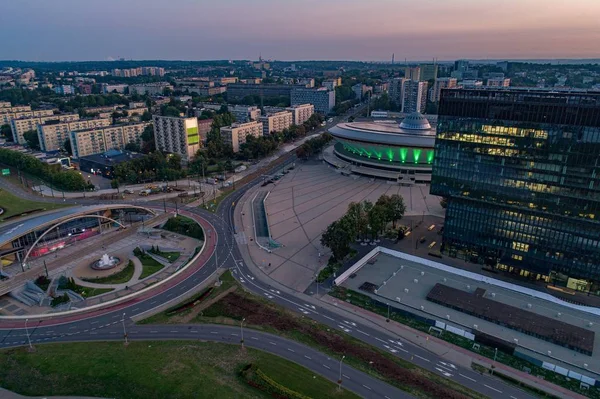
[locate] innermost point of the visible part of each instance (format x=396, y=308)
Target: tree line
x=68, y=180
x=362, y=220
x=151, y=167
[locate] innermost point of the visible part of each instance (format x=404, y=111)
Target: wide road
x=106, y=325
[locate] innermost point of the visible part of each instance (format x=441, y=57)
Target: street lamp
x=28, y=338
x=340, y=379
x=242, y=330
x=495, y=354
x=388, y=317
x=124, y=331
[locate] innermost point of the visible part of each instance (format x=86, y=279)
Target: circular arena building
x=401, y=152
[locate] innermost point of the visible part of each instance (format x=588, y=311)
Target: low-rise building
x=236, y=134
x=245, y=113
x=104, y=163
x=114, y=88
x=274, y=123
x=53, y=134
x=498, y=82
x=64, y=90
x=177, y=135
x=100, y=139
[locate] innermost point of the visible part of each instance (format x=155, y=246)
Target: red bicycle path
x=210, y=246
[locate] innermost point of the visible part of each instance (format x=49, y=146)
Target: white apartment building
x=98, y=140
x=177, y=135
x=9, y=113
x=396, y=90
x=415, y=96
x=498, y=82
x=19, y=126
x=471, y=83
x=301, y=113
x=441, y=83
x=152, y=89
x=5, y=104
x=245, y=113
x=236, y=133
x=110, y=88
x=276, y=122
x=322, y=98
x=52, y=135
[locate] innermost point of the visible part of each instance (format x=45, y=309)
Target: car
x=128, y=191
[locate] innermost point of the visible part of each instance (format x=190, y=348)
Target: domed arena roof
x=415, y=121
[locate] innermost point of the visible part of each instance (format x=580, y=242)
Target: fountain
x=106, y=262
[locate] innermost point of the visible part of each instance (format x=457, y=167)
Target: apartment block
x=396, y=90
x=100, y=139
x=322, y=98
x=114, y=88
x=9, y=113
x=442, y=83
x=498, y=82
x=245, y=113
x=412, y=73
x=153, y=89
x=301, y=113
x=236, y=134
x=415, y=96
x=274, y=123
x=21, y=125
x=52, y=134
x=177, y=135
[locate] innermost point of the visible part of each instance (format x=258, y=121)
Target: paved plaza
x=303, y=203
x=406, y=284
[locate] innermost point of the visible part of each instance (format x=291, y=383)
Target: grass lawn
x=13, y=205
x=118, y=278
x=151, y=369
x=150, y=265
x=170, y=256
x=212, y=205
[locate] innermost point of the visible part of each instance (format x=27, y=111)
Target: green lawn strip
x=166, y=317
x=118, y=278
x=366, y=302
x=185, y=226
x=213, y=204
x=532, y=390
x=277, y=320
x=13, y=205
x=86, y=292
x=152, y=369
x=149, y=265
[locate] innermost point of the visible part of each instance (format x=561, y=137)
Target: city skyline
x=308, y=30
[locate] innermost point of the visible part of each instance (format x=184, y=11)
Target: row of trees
x=68, y=180
x=151, y=167
x=362, y=220
x=313, y=146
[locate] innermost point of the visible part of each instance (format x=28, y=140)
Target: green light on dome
x=430, y=156
x=403, y=154
x=417, y=155
x=390, y=154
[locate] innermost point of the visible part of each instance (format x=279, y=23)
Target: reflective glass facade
x=520, y=172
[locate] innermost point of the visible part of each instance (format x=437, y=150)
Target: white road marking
x=194, y=331
x=446, y=374
x=214, y=332
x=254, y=338
x=327, y=367
x=173, y=331
x=308, y=357
x=422, y=358
x=153, y=332
x=492, y=388
x=366, y=387
x=327, y=317
x=512, y=397
x=291, y=350
x=272, y=343
x=345, y=376
x=380, y=340
x=94, y=322
x=362, y=332
x=469, y=378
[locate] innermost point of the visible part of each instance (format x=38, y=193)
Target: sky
x=366, y=30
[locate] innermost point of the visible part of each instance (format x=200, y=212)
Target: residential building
x=274, y=123
x=412, y=73
x=7, y=114
x=21, y=125
x=441, y=83
x=498, y=82
x=114, y=88
x=99, y=110
x=461, y=65
x=360, y=90
x=306, y=82
x=415, y=96
x=301, y=113
x=152, y=89
x=5, y=104
x=428, y=72
x=228, y=80
x=64, y=90
x=321, y=98
x=331, y=84
x=235, y=135
x=204, y=126
x=470, y=84
x=396, y=91
x=53, y=134
x=237, y=91
x=470, y=74
x=97, y=140
x=136, y=104
x=177, y=135
x=519, y=170
x=245, y=113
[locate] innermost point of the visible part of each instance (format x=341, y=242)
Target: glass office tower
x=520, y=171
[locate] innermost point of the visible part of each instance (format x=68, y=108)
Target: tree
x=356, y=216
x=67, y=147
x=32, y=139
x=376, y=216
x=133, y=147
x=170, y=110
x=398, y=208
x=114, y=183
x=146, y=116
x=337, y=239
x=6, y=132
